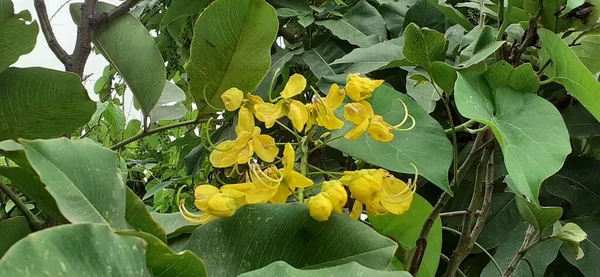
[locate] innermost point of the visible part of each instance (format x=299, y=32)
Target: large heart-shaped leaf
x=76, y=250
x=230, y=48
x=569, y=71
x=12, y=230
x=82, y=177
x=258, y=235
x=530, y=130
x=41, y=103
x=352, y=269
x=164, y=262
x=405, y=229
x=579, y=183
x=588, y=51
x=127, y=45
x=362, y=25
x=17, y=36
x=426, y=146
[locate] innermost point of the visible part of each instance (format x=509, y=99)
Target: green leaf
x=580, y=122
x=423, y=92
x=590, y=263
x=426, y=146
x=393, y=13
x=540, y=217
x=116, y=118
x=134, y=126
x=82, y=177
x=231, y=48
x=183, y=8
x=501, y=220
x=588, y=51
x=569, y=71
x=365, y=60
x=12, y=230
x=539, y=256
x=425, y=15
x=17, y=34
x=578, y=182
x=279, y=60
x=163, y=262
x=423, y=46
x=173, y=224
x=351, y=269
x=138, y=216
x=258, y=235
x=571, y=235
x=41, y=103
x=482, y=54
x=362, y=25
x=169, y=105
x=75, y=250
x=452, y=13
x=550, y=18
x=405, y=229
x=529, y=129
x=522, y=78
x=444, y=75
x=127, y=45
x=319, y=58
x=572, y=4
x=28, y=182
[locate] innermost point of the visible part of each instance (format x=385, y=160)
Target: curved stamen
x=194, y=218
x=412, y=126
x=206, y=136
x=205, y=99
x=405, y=115
x=258, y=173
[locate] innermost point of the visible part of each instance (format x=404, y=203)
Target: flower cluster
x=376, y=189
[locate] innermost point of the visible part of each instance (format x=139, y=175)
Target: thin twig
x=496, y=265
x=526, y=246
x=453, y=213
x=42, y=13
x=439, y=206
x=59, y=8
x=144, y=134
x=120, y=10
x=34, y=223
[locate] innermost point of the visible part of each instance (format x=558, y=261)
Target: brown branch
x=42, y=13
x=526, y=246
x=529, y=38
x=487, y=198
x=120, y=10
x=439, y=206
x=34, y=223
x=83, y=44
x=467, y=239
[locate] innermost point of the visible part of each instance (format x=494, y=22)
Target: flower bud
x=336, y=193
x=202, y=193
x=319, y=207
x=232, y=99
x=221, y=206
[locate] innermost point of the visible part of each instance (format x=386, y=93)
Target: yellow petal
x=335, y=97
x=289, y=157
x=319, y=207
x=298, y=114
x=356, y=209
x=281, y=196
x=336, y=194
x=396, y=195
x=296, y=180
x=353, y=90
x=220, y=205
x=295, y=85
x=245, y=121
x=269, y=113
x=379, y=130
x=227, y=157
x=202, y=193
x=245, y=154
x=359, y=88
x=357, y=112
x=358, y=130
x=257, y=195
x=232, y=99
x=265, y=148
x=326, y=117
x=194, y=218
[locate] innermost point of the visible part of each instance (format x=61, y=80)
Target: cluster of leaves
x=503, y=93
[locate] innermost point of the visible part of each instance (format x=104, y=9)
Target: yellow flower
x=361, y=113
x=264, y=184
x=396, y=195
x=336, y=193
x=232, y=99
x=213, y=203
x=291, y=179
x=294, y=109
x=360, y=88
x=248, y=141
x=364, y=184
x=322, y=110
x=319, y=207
